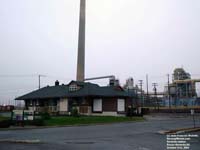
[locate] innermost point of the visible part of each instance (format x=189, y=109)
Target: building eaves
x=87, y=89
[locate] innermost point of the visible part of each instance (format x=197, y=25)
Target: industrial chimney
x=81, y=43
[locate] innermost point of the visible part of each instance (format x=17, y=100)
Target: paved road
x=122, y=136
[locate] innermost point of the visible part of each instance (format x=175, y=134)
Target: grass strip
x=67, y=120
x=4, y=118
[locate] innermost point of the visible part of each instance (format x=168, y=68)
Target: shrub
x=74, y=112
x=45, y=116
x=130, y=111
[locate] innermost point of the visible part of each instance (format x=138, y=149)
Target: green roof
x=86, y=89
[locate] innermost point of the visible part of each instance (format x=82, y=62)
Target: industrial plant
x=182, y=91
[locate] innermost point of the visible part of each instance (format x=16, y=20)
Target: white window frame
x=121, y=105
x=97, y=105
x=73, y=87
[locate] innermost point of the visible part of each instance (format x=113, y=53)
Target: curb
x=181, y=130
x=60, y=126
x=20, y=141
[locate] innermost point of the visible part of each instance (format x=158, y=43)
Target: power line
x=31, y=75
x=17, y=76
x=15, y=90
x=58, y=77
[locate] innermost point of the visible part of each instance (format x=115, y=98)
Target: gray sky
x=123, y=37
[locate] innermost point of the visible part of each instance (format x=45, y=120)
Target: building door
x=120, y=105
x=97, y=105
x=70, y=105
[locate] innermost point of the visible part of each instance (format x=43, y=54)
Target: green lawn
x=67, y=120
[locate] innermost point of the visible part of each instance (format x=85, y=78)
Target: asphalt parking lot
x=121, y=136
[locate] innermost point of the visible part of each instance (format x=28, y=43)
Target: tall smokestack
x=81, y=43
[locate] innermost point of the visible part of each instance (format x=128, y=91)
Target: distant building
x=129, y=83
x=135, y=91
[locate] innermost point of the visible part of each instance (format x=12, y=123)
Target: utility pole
x=147, y=83
x=169, y=95
x=155, y=93
x=140, y=84
x=136, y=91
x=39, y=76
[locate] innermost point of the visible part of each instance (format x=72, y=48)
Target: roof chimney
x=57, y=83
x=112, y=81
x=116, y=83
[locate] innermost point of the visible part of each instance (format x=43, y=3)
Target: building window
x=120, y=105
x=73, y=88
x=97, y=105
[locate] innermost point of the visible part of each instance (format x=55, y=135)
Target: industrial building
x=182, y=90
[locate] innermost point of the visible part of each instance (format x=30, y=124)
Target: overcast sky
x=123, y=38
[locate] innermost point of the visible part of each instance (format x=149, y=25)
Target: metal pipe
x=103, y=77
